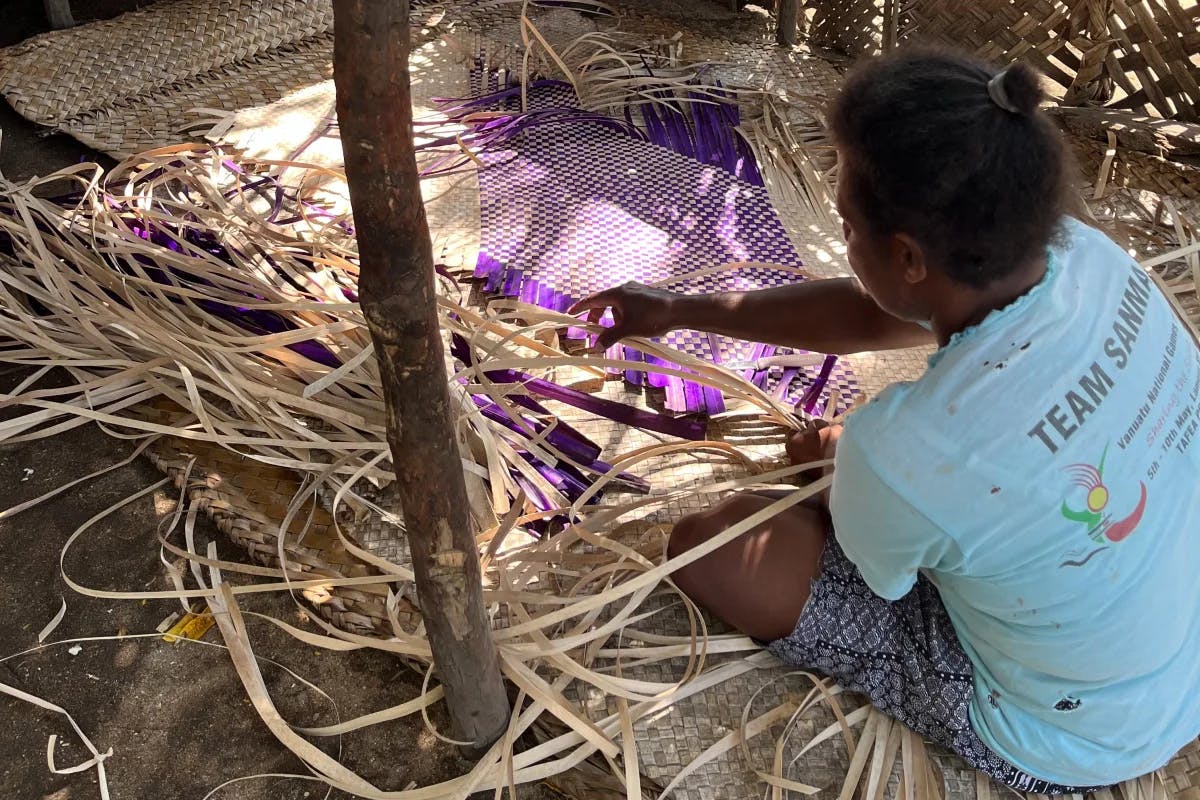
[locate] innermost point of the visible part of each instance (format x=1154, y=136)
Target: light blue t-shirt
x=1044, y=473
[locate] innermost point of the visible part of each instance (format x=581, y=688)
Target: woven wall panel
x=852, y=26
x=1136, y=170
x=1141, y=55
x=998, y=30
x=1157, y=52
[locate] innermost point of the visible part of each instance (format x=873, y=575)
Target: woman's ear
x=909, y=256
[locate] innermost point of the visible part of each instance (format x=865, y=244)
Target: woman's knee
x=687, y=533
x=695, y=529
x=691, y=531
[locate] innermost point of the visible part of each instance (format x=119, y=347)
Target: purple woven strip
x=488, y=269
x=529, y=292
x=559, y=478
x=693, y=394
x=629, y=480
x=630, y=415
x=756, y=353
x=532, y=492
x=781, y=390
x=512, y=283
x=677, y=399
x=568, y=440
x=818, y=386
x=635, y=377
x=615, y=353
x=714, y=401
x=761, y=376
x=718, y=350
x=657, y=379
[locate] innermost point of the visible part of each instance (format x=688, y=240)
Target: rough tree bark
x=58, y=12
x=396, y=291
x=787, y=21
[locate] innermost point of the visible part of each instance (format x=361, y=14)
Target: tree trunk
x=396, y=291
x=58, y=13
x=787, y=21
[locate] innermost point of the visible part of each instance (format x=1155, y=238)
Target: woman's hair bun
x=1022, y=87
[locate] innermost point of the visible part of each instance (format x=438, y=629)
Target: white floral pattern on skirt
x=904, y=656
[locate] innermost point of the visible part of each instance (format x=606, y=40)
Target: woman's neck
x=961, y=307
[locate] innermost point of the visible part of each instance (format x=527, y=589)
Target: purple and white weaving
x=580, y=204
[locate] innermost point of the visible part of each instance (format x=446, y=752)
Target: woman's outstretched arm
x=824, y=316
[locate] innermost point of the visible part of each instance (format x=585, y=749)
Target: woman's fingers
x=594, y=307
x=637, y=310
x=592, y=303
x=829, y=439
x=804, y=446
x=596, y=302
x=813, y=442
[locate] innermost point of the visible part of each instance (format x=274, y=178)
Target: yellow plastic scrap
x=192, y=625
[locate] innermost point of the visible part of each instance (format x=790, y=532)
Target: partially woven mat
x=575, y=209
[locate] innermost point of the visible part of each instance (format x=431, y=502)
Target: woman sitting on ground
x=1007, y=562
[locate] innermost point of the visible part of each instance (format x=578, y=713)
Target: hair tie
x=996, y=91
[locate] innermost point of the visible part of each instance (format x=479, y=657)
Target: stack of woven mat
x=136, y=82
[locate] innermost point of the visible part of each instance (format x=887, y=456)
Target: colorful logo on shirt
x=1096, y=514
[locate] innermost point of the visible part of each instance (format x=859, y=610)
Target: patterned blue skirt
x=904, y=656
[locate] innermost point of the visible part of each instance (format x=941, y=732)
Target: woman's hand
x=826, y=316
x=637, y=310
x=814, y=442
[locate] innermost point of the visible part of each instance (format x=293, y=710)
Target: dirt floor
x=174, y=714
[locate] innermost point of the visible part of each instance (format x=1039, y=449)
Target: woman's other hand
x=816, y=441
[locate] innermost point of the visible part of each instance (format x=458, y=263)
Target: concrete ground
x=175, y=714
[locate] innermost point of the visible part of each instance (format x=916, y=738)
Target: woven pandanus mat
x=248, y=501
x=63, y=75
x=152, y=77
x=178, y=113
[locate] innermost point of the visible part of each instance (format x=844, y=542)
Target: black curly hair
x=975, y=175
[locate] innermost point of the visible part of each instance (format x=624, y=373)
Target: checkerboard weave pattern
x=576, y=208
